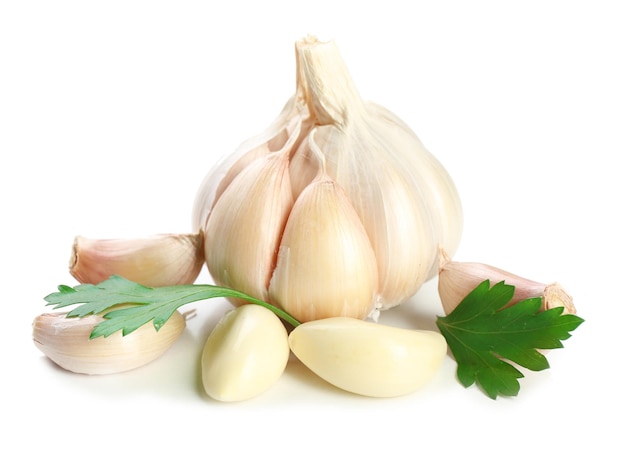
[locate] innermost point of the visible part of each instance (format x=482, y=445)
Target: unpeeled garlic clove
x=245, y=354
x=66, y=342
x=458, y=279
x=368, y=358
x=155, y=261
x=405, y=198
x=246, y=224
x=286, y=129
x=326, y=265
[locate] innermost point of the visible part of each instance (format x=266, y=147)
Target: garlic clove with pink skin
x=155, y=261
x=458, y=279
x=67, y=342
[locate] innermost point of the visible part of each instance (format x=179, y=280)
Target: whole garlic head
x=381, y=183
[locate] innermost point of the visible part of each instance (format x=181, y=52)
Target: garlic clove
x=458, y=279
x=326, y=265
x=245, y=226
x=245, y=354
x=435, y=183
x=283, y=138
x=66, y=342
x=367, y=358
x=286, y=129
x=388, y=203
x=155, y=261
x=238, y=166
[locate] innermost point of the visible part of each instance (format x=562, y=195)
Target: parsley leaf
x=136, y=305
x=482, y=332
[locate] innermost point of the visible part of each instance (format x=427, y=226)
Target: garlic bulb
x=155, y=261
x=66, y=342
x=261, y=207
x=458, y=279
x=368, y=358
x=245, y=354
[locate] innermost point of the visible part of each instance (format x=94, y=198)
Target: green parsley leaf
x=136, y=305
x=482, y=332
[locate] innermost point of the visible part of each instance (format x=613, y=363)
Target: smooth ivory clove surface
x=245, y=354
x=401, y=195
x=368, y=358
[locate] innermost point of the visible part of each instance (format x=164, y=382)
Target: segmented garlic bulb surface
x=337, y=209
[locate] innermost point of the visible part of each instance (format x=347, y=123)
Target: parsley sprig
x=136, y=305
x=482, y=333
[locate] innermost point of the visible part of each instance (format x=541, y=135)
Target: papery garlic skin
x=245, y=354
x=289, y=126
x=326, y=266
x=368, y=358
x=436, y=184
x=155, y=261
x=404, y=198
x=246, y=225
x=458, y=279
x=66, y=342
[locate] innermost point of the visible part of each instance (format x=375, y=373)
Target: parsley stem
x=140, y=304
x=237, y=294
x=198, y=292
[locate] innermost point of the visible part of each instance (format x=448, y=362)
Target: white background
x=112, y=112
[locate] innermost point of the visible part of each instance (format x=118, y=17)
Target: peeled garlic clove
x=66, y=342
x=326, y=265
x=458, y=279
x=245, y=354
x=367, y=358
x=155, y=261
